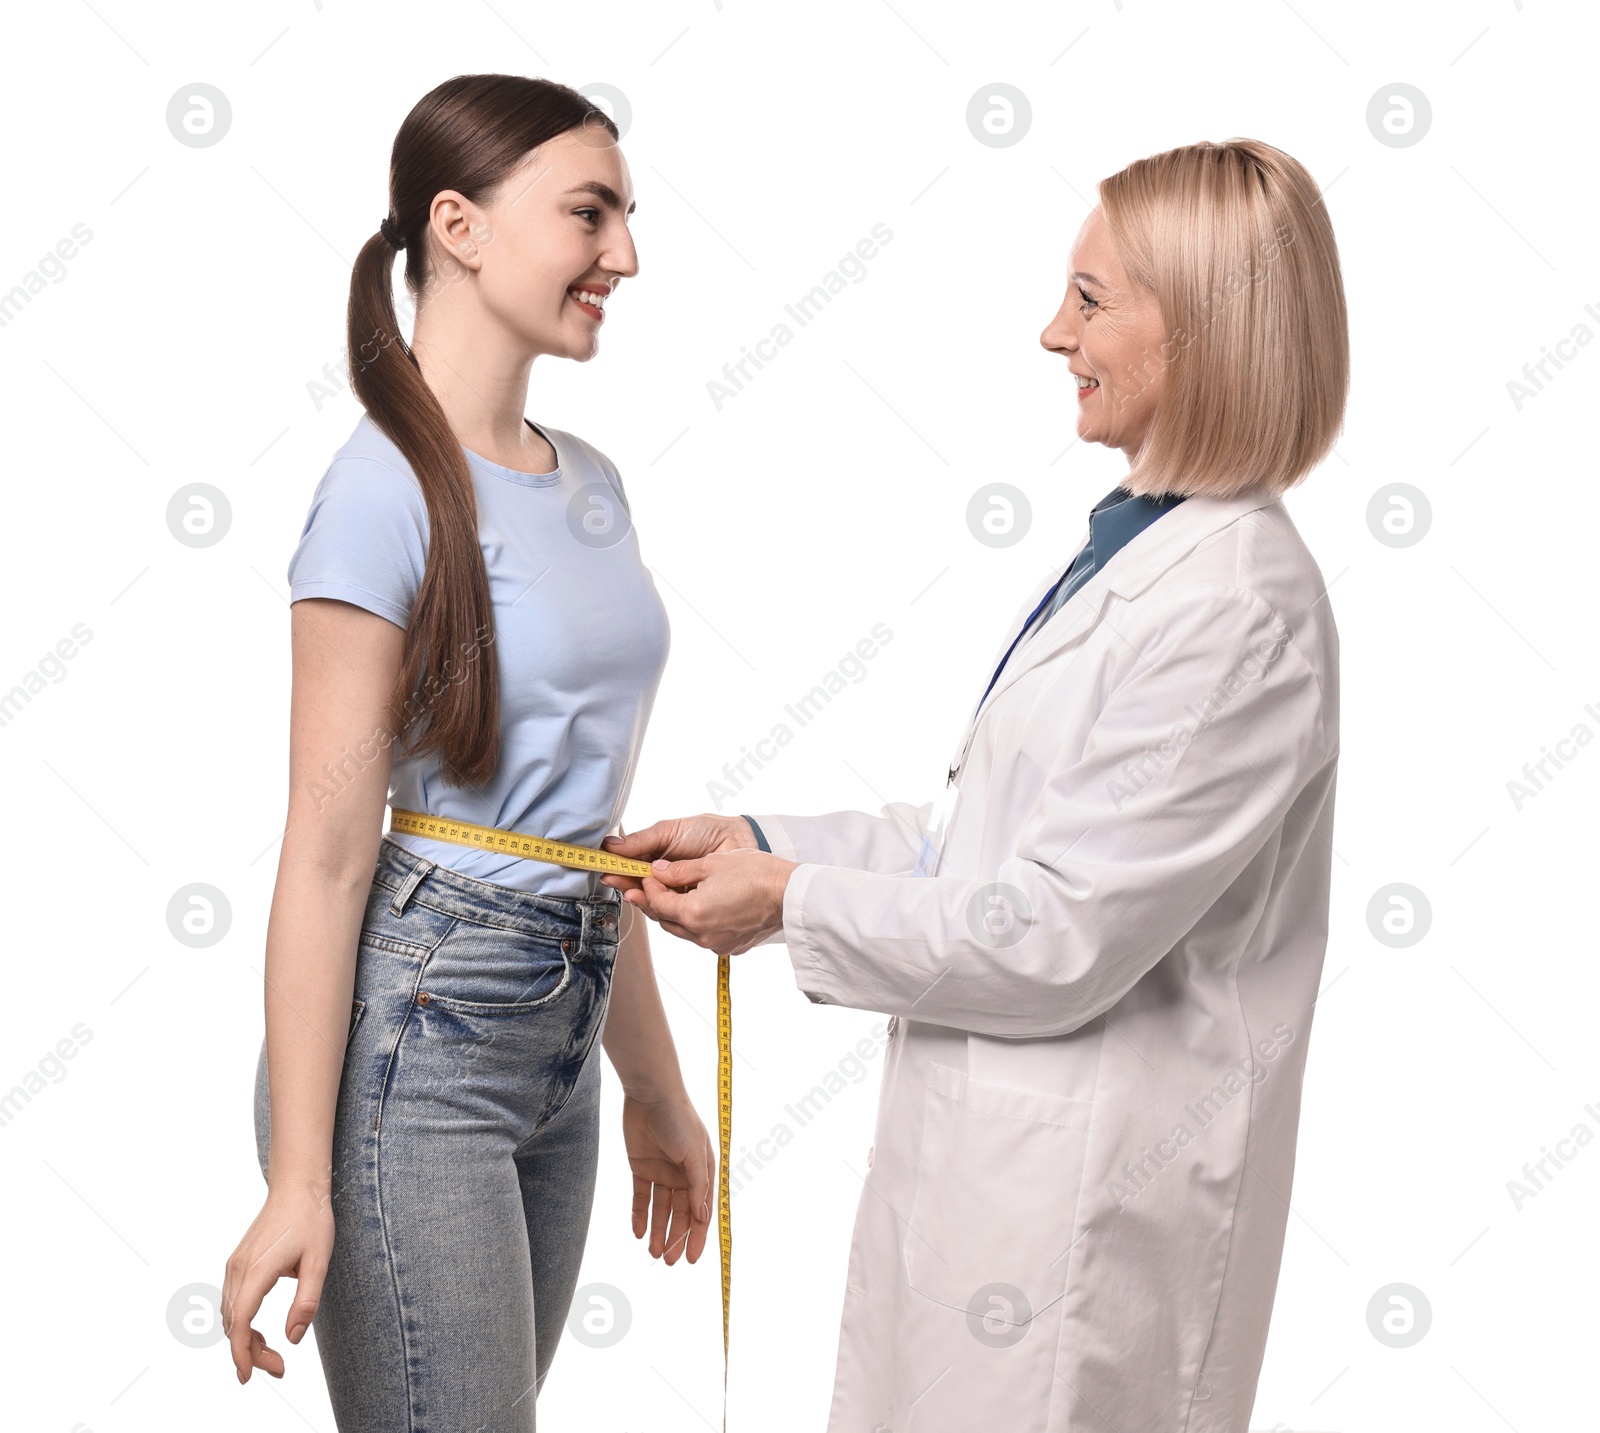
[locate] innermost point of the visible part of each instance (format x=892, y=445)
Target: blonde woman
x=1100, y=945
x=473, y=624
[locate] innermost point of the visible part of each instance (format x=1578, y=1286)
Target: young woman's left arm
x=669, y=1148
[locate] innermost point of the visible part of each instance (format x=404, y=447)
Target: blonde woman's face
x=559, y=223
x=1109, y=330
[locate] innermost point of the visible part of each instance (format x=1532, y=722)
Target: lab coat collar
x=1120, y=516
x=1129, y=572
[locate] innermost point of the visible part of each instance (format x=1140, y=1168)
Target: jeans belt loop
x=398, y=905
x=603, y=917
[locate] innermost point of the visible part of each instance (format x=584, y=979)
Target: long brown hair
x=467, y=134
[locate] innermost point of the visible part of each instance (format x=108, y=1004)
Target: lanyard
x=1043, y=603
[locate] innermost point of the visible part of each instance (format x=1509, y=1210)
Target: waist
x=400, y=870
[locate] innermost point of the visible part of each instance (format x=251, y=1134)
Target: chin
x=579, y=351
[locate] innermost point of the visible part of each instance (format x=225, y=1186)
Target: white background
x=830, y=495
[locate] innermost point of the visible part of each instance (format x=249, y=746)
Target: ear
x=455, y=223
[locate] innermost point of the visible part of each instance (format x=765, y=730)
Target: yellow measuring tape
x=591, y=858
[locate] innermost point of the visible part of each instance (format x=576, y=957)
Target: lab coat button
x=870, y=1149
x=894, y=1024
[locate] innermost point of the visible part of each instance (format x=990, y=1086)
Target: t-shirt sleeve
x=365, y=540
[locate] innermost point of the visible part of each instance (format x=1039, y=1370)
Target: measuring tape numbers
x=591, y=858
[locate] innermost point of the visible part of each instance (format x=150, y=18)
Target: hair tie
x=389, y=232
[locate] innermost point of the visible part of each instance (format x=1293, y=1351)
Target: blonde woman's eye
x=1087, y=301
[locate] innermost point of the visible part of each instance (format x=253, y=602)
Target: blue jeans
x=464, y=1148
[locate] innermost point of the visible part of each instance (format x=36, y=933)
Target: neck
x=479, y=374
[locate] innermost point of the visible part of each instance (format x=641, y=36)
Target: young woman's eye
x=594, y=212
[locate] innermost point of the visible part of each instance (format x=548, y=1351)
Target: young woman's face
x=1110, y=332
x=556, y=228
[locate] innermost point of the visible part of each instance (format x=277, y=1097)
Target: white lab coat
x=1075, y=1204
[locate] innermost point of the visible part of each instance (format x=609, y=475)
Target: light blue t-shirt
x=581, y=638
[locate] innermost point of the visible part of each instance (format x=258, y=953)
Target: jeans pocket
x=996, y=1201
x=493, y=970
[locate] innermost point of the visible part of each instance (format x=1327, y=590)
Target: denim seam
x=395, y=947
x=383, y=1222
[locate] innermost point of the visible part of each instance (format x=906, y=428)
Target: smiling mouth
x=592, y=302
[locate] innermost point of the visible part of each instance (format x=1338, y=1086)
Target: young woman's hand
x=672, y=1159
x=292, y=1237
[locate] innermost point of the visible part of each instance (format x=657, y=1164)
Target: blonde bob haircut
x=1235, y=242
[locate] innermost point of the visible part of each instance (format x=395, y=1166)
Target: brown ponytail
x=467, y=135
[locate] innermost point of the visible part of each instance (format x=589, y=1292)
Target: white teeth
x=598, y=300
x=1087, y=382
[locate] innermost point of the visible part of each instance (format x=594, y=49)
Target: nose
x=1060, y=335
x=620, y=257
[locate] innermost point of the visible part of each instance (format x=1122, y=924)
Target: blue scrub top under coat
x=1114, y=521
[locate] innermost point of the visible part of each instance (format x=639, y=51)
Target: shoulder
x=1261, y=557
x=370, y=472
x=1252, y=583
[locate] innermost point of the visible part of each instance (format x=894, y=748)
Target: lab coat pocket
x=992, y=1220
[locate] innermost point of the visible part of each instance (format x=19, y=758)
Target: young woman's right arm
x=346, y=660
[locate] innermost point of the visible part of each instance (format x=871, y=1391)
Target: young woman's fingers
x=660, y=1210
x=307, y=1298
x=699, y=1231
x=268, y=1360
x=240, y=1307
x=700, y=1167
x=678, y=1231
x=641, y=1206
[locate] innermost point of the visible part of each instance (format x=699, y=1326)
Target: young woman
x=468, y=599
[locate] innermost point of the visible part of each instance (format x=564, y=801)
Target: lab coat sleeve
x=887, y=843
x=1191, y=765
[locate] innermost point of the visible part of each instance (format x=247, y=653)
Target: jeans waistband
x=415, y=878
